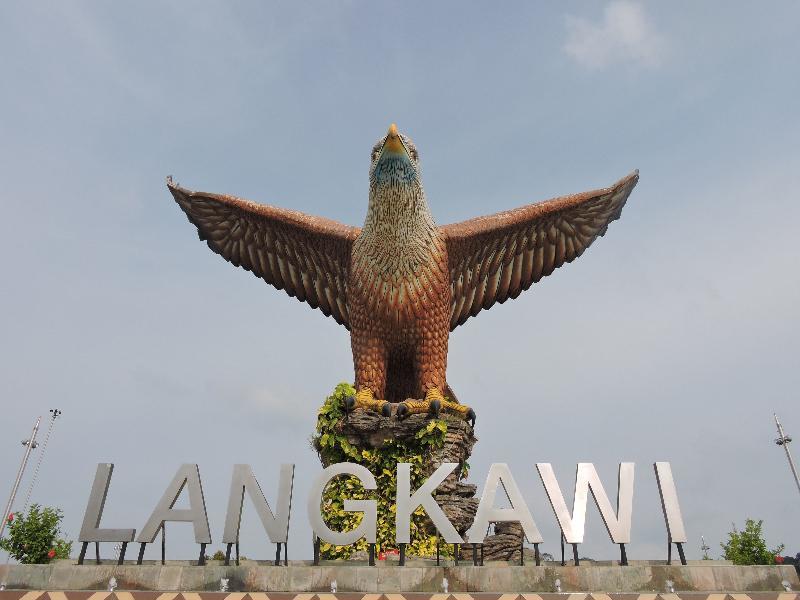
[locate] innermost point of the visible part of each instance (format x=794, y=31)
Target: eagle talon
x=367, y=400
x=435, y=407
x=429, y=406
x=402, y=410
x=465, y=412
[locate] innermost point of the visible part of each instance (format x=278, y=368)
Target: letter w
x=618, y=525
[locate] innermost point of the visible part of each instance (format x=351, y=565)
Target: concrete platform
x=493, y=577
x=43, y=595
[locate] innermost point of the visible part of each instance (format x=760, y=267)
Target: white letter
x=243, y=480
x=669, y=503
x=619, y=529
x=406, y=503
x=189, y=476
x=499, y=473
x=90, y=530
x=369, y=524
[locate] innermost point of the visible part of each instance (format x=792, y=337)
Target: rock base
x=369, y=431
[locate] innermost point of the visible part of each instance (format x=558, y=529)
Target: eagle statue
x=401, y=283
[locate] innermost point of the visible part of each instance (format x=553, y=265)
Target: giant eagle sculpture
x=401, y=283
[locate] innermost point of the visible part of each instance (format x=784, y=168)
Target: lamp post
x=783, y=440
x=29, y=444
x=54, y=414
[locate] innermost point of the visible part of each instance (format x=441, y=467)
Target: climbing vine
x=333, y=447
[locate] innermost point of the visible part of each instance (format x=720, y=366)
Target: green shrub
x=749, y=547
x=34, y=538
x=333, y=447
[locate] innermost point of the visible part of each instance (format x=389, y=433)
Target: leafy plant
x=35, y=538
x=333, y=447
x=749, y=547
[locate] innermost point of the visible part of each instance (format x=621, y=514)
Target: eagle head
x=395, y=160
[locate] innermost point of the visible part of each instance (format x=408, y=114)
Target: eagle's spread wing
x=494, y=258
x=307, y=256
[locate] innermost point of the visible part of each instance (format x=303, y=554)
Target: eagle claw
x=435, y=407
x=366, y=399
x=432, y=405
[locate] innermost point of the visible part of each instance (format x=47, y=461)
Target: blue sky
x=673, y=338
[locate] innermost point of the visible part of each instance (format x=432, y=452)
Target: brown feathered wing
x=497, y=257
x=308, y=257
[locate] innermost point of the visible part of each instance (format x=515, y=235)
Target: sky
x=673, y=338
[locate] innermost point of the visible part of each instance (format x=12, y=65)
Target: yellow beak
x=393, y=143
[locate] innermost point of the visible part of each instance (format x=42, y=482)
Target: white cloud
x=624, y=35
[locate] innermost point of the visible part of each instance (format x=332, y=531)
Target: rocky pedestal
x=369, y=430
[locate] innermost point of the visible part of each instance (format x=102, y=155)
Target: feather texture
x=497, y=257
x=308, y=257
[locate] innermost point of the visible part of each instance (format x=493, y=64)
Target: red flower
x=10, y=517
x=51, y=554
x=779, y=560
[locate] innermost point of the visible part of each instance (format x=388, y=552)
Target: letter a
x=187, y=476
x=500, y=474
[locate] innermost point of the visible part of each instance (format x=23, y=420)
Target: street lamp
x=29, y=444
x=784, y=440
x=54, y=414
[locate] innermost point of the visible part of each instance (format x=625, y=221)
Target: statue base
x=371, y=431
x=379, y=442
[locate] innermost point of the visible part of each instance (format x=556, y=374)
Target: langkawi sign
x=276, y=523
